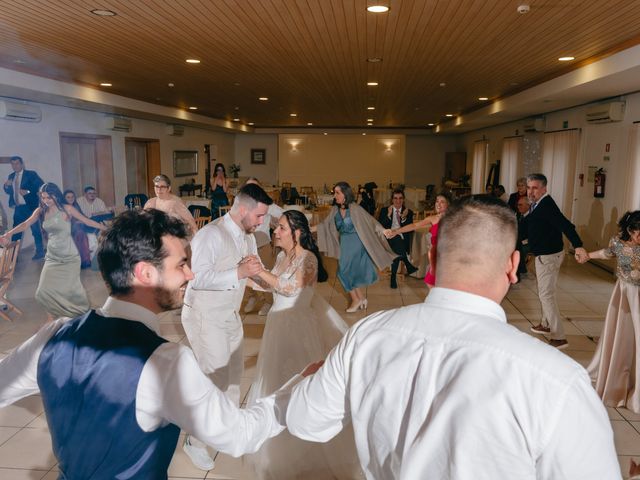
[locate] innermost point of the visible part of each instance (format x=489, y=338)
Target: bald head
x=476, y=243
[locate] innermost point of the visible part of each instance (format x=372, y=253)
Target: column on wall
x=632, y=188
x=511, y=165
x=559, y=157
x=480, y=155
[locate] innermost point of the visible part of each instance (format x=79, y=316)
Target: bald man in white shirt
x=447, y=389
x=115, y=393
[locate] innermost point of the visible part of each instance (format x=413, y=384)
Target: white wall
x=326, y=159
x=267, y=173
x=425, y=158
x=39, y=145
x=595, y=218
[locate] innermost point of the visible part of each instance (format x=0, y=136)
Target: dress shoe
x=559, y=344
x=38, y=256
x=541, y=329
x=394, y=282
x=355, y=307
x=251, y=304
x=411, y=269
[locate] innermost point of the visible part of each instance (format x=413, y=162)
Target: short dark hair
x=397, y=191
x=256, y=193
x=88, y=188
x=16, y=158
x=135, y=236
x=347, y=191
x=537, y=177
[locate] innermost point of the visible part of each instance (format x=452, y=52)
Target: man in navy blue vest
x=114, y=392
x=22, y=187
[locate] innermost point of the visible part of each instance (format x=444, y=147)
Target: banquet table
x=198, y=201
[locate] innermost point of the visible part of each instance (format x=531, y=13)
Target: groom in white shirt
x=224, y=255
x=447, y=389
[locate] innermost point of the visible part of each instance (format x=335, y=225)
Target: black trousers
x=20, y=214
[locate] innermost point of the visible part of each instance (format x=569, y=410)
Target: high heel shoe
x=363, y=305
x=355, y=307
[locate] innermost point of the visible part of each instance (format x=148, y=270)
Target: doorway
x=143, y=164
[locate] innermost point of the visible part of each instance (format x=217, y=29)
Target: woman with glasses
x=169, y=203
x=219, y=186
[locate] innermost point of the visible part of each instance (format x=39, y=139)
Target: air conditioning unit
x=174, y=130
x=21, y=112
x=534, y=125
x=605, y=112
x=118, y=124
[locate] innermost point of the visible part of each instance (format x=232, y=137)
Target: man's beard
x=167, y=300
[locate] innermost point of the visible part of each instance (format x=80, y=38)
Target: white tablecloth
x=198, y=201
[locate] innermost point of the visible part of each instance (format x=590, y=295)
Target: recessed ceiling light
x=430, y=124
x=369, y=119
x=370, y=124
x=372, y=84
x=363, y=133
x=374, y=59
x=170, y=85
x=566, y=59
x=105, y=84
x=293, y=114
x=309, y=123
x=378, y=9
x=192, y=60
x=103, y=13
x=325, y=133
x=449, y=115
x=193, y=108
x=371, y=108
x=250, y=123
x=236, y=119
x=483, y=98
x=263, y=99
x=442, y=84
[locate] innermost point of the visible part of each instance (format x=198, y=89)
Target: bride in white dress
x=301, y=328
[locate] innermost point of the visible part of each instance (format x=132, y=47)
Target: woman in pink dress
x=616, y=363
x=169, y=203
x=443, y=200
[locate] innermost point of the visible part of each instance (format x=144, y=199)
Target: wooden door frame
x=154, y=162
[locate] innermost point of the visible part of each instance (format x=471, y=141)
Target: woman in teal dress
x=219, y=185
x=356, y=239
x=59, y=291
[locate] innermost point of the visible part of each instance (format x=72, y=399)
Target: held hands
x=249, y=266
x=389, y=233
x=581, y=255
x=311, y=368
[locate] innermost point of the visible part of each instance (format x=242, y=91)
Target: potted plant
x=234, y=168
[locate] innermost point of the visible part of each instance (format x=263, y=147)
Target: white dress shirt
x=171, y=389
x=17, y=195
x=90, y=209
x=448, y=390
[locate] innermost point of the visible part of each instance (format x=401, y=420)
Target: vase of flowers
x=234, y=168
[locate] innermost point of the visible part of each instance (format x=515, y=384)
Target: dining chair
x=8, y=259
x=202, y=221
x=223, y=210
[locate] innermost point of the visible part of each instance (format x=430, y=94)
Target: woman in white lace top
x=301, y=327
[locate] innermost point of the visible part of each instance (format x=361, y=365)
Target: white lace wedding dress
x=301, y=327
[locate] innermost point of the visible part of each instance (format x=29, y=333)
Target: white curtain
x=511, y=164
x=632, y=188
x=480, y=154
x=559, y=156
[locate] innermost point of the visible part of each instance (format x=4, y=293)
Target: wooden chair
x=8, y=259
x=202, y=221
x=223, y=210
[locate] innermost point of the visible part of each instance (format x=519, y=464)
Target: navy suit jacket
x=30, y=181
x=386, y=221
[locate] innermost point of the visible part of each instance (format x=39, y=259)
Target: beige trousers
x=547, y=270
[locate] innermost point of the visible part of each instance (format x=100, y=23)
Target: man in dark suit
x=545, y=225
x=397, y=215
x=22, y=187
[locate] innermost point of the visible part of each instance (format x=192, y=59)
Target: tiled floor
x=25, y=448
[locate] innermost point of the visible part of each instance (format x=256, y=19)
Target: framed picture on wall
x=185, y=162
x=258, y=156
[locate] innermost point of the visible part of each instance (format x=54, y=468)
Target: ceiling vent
x=534, y=125
x=21, y=112
x=605, y=112
x=117, y=124
x=174, y=130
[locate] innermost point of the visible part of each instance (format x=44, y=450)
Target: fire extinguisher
x=598, y=183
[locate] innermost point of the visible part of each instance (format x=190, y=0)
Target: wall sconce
x=388, y=144
x=294, y=142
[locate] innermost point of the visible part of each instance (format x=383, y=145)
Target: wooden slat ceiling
x=310, y=56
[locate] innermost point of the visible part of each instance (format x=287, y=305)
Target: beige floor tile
x=20, y=474
x=228, y=467
x=581, y=356
x=22, y=412
x=181, y=465
x=6, y=433
x=614, y=414
x=30, y=448
x=626, y=438
x=624, y=461
x=629, y=415
x=580, y=342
